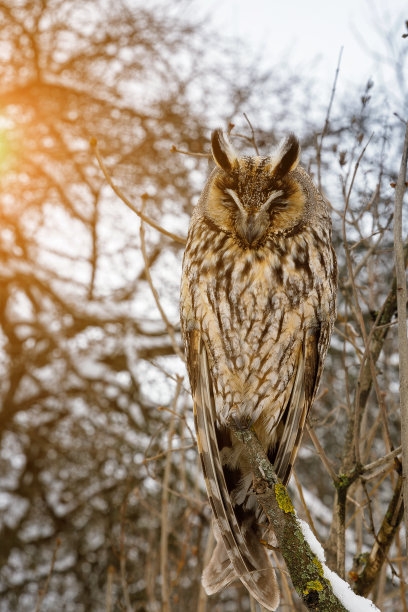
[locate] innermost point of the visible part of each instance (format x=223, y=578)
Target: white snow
x=341, y=589
x=343, y=592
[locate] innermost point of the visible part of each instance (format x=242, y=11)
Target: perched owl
x=257, y=310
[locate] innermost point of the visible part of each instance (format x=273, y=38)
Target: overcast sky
x=315, y=29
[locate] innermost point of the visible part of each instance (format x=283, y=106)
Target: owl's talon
x=240, y=422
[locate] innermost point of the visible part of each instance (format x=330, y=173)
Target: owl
x=258, y=296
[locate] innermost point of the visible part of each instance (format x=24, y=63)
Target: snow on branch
x=319, y=587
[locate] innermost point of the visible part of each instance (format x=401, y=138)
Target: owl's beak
x=253, y=230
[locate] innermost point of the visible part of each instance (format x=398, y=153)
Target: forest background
x=102, y=505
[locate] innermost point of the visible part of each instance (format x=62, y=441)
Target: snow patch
x=341, y=589
x=316, y=547
x=343, y=592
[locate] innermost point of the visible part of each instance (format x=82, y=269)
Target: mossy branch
x=375, y=560
x=304, y=567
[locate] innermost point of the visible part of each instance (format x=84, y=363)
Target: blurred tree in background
x=98, y=464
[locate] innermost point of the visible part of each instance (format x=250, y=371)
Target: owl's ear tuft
x=287, y=156
x=223, y=152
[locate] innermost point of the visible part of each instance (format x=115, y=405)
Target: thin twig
x=305, y=508
x=184, y=545
x=122, y=557
x=402, y=321
x=400, y=560
x=253, y=134
x=321, y=453
x=151, y=570
x=164, y=453
x=367, y=255
x=369, y=438
x=129, y=204
x=42, y=592
x=379, y=463
x=182, y=467
x=179, y=416
x=165, y=589
x=326, y=122
x=349, y=338
x=155, y=294
x=191, y=500
x=359, y=314
x=383, y=540
x=363, y=504
x=174, y=149
x=109, y=585
x=358, y=524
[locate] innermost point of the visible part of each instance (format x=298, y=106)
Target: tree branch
x=309, y=575
x=402, y=321
x=129, y=204
x=375, y=342
x=326, y=122
x=392, y=518
x=169, y=326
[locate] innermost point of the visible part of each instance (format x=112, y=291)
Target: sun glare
x=4, y=148
x=9, y=145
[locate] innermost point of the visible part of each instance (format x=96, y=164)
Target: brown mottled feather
x=257, y=310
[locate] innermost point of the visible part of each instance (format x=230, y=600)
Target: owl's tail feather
x=220, y=571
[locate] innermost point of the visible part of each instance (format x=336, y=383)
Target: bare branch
x=128, y=203
x=303, y=501
x=165, y=590
x=164, y=453
x=384, y=538
x=122, y=556
x=109, y=584
x=42, y=592
x=155, y=294
x=253, y=134
x=402, y=321
x=326, y=122
x=174, y=149
x=381, y=462
x=305, y=569
x=321, y=452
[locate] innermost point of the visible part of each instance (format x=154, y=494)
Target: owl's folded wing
x=304, y=387
x=251, y=566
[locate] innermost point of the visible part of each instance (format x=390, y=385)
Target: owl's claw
x=240, y=422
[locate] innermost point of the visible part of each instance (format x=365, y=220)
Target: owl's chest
x=251, y=293
x=240, y=299
x=243, y=288
x=245, y=284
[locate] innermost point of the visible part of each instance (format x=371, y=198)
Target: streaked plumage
x=257, y=310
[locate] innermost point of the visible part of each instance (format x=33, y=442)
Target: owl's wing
x=304, y=387
x=232, y=557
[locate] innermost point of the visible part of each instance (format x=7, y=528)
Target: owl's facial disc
x=252, y=225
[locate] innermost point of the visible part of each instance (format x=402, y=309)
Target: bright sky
x=311, y=29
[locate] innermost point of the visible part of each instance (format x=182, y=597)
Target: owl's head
x=254, y=197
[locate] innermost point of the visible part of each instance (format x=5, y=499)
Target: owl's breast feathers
x=255, y=308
